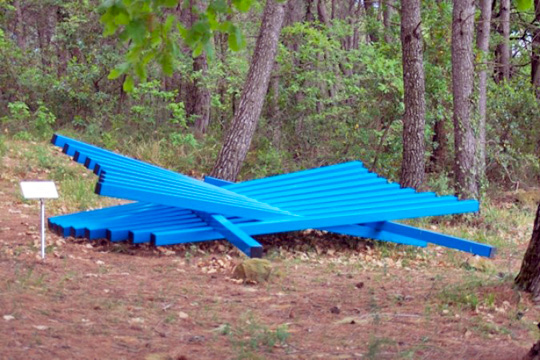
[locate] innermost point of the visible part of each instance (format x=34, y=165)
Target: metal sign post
x=40, y=190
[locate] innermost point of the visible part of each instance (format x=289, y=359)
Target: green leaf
x=137, y=30
x=169, y=3
x=198, y=50
x=128, y=84
x=524, y=5
x=209, y=49
x=119, y=70
x=168, y=24
x=166, y=64
x=122, y=18
x=236, y=38
x=242, y=5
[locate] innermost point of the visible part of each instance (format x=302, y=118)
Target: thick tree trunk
x=502, y=71
x=413, y=166
x=528, y=278
x=242, y=129
x=462, y=86
x=535, y=53
x=482, y=40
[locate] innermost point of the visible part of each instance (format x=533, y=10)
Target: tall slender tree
x=413, y=165
x=535, y=52
x=462, y=89
x=242, y=128
x=482, y=41
x=502, y=70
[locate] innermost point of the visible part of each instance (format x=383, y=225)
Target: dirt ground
x=101, y=301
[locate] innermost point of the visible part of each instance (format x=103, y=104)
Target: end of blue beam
x=236, y=236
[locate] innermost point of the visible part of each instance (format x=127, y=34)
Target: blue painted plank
x=144, y=235
x=201, y=204
x=99, y=229
x=300, y=223
x=372, y=233
x=441, y=202
x=83, y=219
x=294, y=175
x=163, y=185
x=237, y=237
x=435, y=238
x=215, y=181
x=340, y=175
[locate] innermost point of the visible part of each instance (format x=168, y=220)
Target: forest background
x=336, y=90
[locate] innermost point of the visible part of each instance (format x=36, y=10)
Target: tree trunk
x=200, y=96
x=387, y=17
x=242, y=129
x=199, y=103
x=502, y=71
x=462, y=86
x=535, y=52
x=321, y=12
x=21, y=33
x=414, y=119
x=440, y=153
x=274, y=115
x=371, y=8
x=528, y=278
x=483, y=45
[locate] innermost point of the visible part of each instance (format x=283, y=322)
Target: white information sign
x=39, y=190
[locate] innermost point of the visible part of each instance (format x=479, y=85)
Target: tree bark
x=199, y=102
x=321, y=12
x=20, y=27
x=242, y=129
x=387, y=17
x=482, y=41
x=439, y=156
x=535, y=52
x=371, y=8
x=200, y=96
x=502, y=71
x=414, y=119
x=528, y=278
x=462, y=86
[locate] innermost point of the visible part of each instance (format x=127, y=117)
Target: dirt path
x=96, y=301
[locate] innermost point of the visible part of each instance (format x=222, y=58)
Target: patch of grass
x=250, y=337
x=375, y=345
x=467, y=295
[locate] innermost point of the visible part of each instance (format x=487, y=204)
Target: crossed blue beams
x=329, y=198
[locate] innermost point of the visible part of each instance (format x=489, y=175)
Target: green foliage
x=152, y=33
x=339, y=93
x=524, y=5
x=513, y=132
x=20, y=117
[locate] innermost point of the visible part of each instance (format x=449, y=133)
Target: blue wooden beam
x=236, y=236
x=300, y=223
x=376, y=234
x=435, y=238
